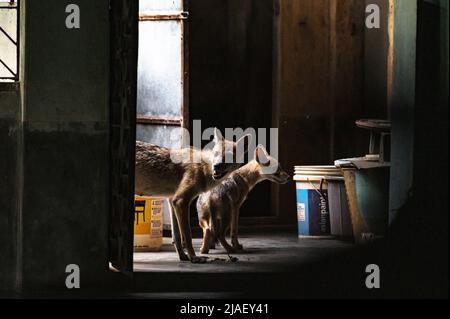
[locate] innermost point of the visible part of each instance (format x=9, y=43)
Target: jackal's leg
x=212, y=243
x=181, y=205
x=213, y=227
x=223, y=240
x=206, y=241
x=176, y=238
x=234, y=229
x=203, y=222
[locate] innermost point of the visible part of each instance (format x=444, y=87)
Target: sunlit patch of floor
x=262, y=253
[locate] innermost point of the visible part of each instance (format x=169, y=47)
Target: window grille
x=9, y=40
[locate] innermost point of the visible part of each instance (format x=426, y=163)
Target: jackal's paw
x=198, y=260
x=238, y=247
x=183, y=257
x=204, y=250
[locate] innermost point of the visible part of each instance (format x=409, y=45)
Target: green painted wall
x=402, y=103
x=65, y=193
x=420, y=104
x=62, y=196
x=376, y=46
x=9, y=133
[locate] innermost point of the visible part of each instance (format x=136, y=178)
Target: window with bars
x=9, y=40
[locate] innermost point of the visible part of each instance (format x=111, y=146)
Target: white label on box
x=301, y=212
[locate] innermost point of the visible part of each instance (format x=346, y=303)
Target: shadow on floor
x=262, y=253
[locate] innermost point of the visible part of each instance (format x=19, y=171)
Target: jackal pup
x=181, y=175
x=218, y=208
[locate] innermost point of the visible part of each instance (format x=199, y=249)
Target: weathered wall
x=7, y=48
x=402, y=103
x=9, y=130
x=303, y=105
x=231, y=72
x=327, y=71
x=319, y=85
x=430, y=159
x=64, y=209
x=376, y=46
x=347, y=70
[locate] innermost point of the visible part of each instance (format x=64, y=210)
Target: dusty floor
x=262, y=253
x=273, y=266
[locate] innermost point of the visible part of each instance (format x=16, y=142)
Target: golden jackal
x=181, y=181
x=218, y=208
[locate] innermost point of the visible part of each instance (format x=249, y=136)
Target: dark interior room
x=334, y=114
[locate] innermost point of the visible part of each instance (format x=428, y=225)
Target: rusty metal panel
x=162, y=135
x=160, y=5
x=157, y=120
x=160, y=91
x=162, y=72
x=164, y=16
x=185, y=67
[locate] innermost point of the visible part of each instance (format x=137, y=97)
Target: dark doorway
x=231, y=73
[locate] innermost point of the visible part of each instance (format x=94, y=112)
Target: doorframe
x=124, y=21
x=124, y=38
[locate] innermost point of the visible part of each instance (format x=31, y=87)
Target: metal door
x=162, y=72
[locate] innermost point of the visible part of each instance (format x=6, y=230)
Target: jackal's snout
x=270, y=167
x=227, y=156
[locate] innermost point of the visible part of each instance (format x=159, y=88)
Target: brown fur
x=158, y=176
x=218, y=209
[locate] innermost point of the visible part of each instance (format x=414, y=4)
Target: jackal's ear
x=261, y=156
x=244, y=143
x=217, y=135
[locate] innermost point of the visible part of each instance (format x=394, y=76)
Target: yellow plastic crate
x=148, y=223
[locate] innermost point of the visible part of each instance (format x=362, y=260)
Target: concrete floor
x=262, y=254
x=273, y=266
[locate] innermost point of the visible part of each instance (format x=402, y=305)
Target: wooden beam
x=390, y=62
x=167, y=16
x=156, y=120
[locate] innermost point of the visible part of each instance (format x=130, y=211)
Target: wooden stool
x=379, y=130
